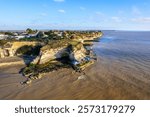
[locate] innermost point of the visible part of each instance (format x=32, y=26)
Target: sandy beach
x=99, y=83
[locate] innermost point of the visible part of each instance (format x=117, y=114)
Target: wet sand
x=102, y=82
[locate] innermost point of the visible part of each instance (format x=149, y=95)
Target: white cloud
x=82, y=8
x=141, y=20
x=135, y=10
x=116, y=19
x=61, y=11
x=59, y=0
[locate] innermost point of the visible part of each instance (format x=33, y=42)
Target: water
x=130, y=49
x=124, y=64
x=125, y=45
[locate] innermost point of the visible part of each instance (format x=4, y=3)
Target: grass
x=3, y=42
x=53, y=44
x=28, y=50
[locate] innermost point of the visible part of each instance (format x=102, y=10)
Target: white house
x=3, y=36
x=19, y=37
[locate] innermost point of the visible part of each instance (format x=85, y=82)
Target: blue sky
x=75, y=14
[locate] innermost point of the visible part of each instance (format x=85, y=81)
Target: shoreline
x=114, y=76
x=13, y=82
x=66, y=84
x=73, y=55
x=11, y=63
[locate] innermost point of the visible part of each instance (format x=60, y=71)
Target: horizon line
x=2, y=30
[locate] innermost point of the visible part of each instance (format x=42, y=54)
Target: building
x=19, y=37
x=3, y=36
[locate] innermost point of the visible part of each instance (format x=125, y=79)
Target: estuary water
x=124, y=63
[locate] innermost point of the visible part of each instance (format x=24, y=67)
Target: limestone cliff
x=69, y=51
x=73, y=52
x=10, y=48
x=74, y=49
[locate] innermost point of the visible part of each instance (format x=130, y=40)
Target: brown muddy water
x=122, y=71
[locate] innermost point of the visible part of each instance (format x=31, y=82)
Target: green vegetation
x=34, y=70
x=9, y=33
x=60, y=35
x=74, y=43
x=55, y=44
x=28, y=50
x=3, y=42
x=30, y=31
x=31, y=39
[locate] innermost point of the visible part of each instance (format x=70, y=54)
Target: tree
x=40, y=35
x=9, y=33
x=29, y=31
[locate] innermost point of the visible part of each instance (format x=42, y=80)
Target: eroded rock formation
x=10, y=48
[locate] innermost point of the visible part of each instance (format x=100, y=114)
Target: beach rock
x=82, y=77
x=50, y=54
x=28, y=81
x=40, y=76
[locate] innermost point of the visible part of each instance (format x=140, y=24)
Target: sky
x=75, y=14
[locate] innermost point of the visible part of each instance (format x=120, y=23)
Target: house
x=20, y=37
x=3, y=36
x=25, y=35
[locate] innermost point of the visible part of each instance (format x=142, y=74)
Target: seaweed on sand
x=33, y=71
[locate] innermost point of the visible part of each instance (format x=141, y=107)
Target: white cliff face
x=47, y=55
x=78, y=54
x=4, y=53
x=50, y=54
x=7, y=52
x=11, y=50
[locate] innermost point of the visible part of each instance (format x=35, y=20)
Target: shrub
x=28, y=50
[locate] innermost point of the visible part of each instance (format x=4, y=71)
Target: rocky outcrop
x=4, y=53
x=74, y=49
x=10, y=48
x=49, y=55
x=75, y=53
x=70, y=51
x=78, y=53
